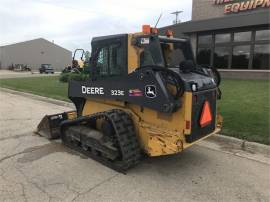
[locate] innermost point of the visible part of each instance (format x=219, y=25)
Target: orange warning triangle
x=206, y=115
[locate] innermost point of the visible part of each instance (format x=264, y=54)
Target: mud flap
x=49, y=126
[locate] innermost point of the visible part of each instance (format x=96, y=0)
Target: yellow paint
x=158, y=133
x=133, y=54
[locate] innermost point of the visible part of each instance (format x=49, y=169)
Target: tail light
x=188, y=125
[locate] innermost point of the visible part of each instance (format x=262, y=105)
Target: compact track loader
x=146, y=94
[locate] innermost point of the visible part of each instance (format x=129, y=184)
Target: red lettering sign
x=231, y=6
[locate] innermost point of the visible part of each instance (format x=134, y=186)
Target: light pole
x=176, y=13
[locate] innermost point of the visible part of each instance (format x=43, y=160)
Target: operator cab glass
x=109, y=56
x=166, y=52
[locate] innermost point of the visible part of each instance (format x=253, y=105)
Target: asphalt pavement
x=35, y=169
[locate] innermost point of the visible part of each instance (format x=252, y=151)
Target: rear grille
x=198, y=100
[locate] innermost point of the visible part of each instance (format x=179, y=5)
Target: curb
x=251, y=147
x=39, y=98
x=227, y=141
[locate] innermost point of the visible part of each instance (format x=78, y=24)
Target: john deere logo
x=150, y=91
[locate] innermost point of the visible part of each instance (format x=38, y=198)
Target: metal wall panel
x=34, y=53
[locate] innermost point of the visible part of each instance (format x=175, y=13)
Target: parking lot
x=35, y=169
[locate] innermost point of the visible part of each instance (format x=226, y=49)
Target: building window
x=204, y=56
x=205, y=40
x=240, y=57
x=263, y=35
x=261, y=56
x=223, y=38
x=239, y=49
x=242, y=36
x=221, y=57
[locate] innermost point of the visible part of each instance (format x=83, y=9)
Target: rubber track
x=125, y=136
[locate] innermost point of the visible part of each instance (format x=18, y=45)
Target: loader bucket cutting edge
x=49, y=126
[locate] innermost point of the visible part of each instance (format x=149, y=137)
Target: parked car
x=20, y=67
x=46, y=68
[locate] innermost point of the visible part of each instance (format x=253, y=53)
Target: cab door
x=109, y=57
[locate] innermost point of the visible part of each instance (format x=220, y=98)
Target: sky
x=72, y=23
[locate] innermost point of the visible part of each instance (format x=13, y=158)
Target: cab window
x=102, y=62
x=173, y=54
x=111, y=60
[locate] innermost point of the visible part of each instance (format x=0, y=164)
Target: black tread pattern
x=125, y=135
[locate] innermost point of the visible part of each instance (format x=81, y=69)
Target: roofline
x=261, y=16
x=56, y=44
x=22, y=42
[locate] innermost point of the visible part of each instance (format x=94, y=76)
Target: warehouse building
x=232, y=35
x=33, y=53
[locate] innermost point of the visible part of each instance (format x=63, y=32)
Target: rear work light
x=146, y=29
x=206, y=115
